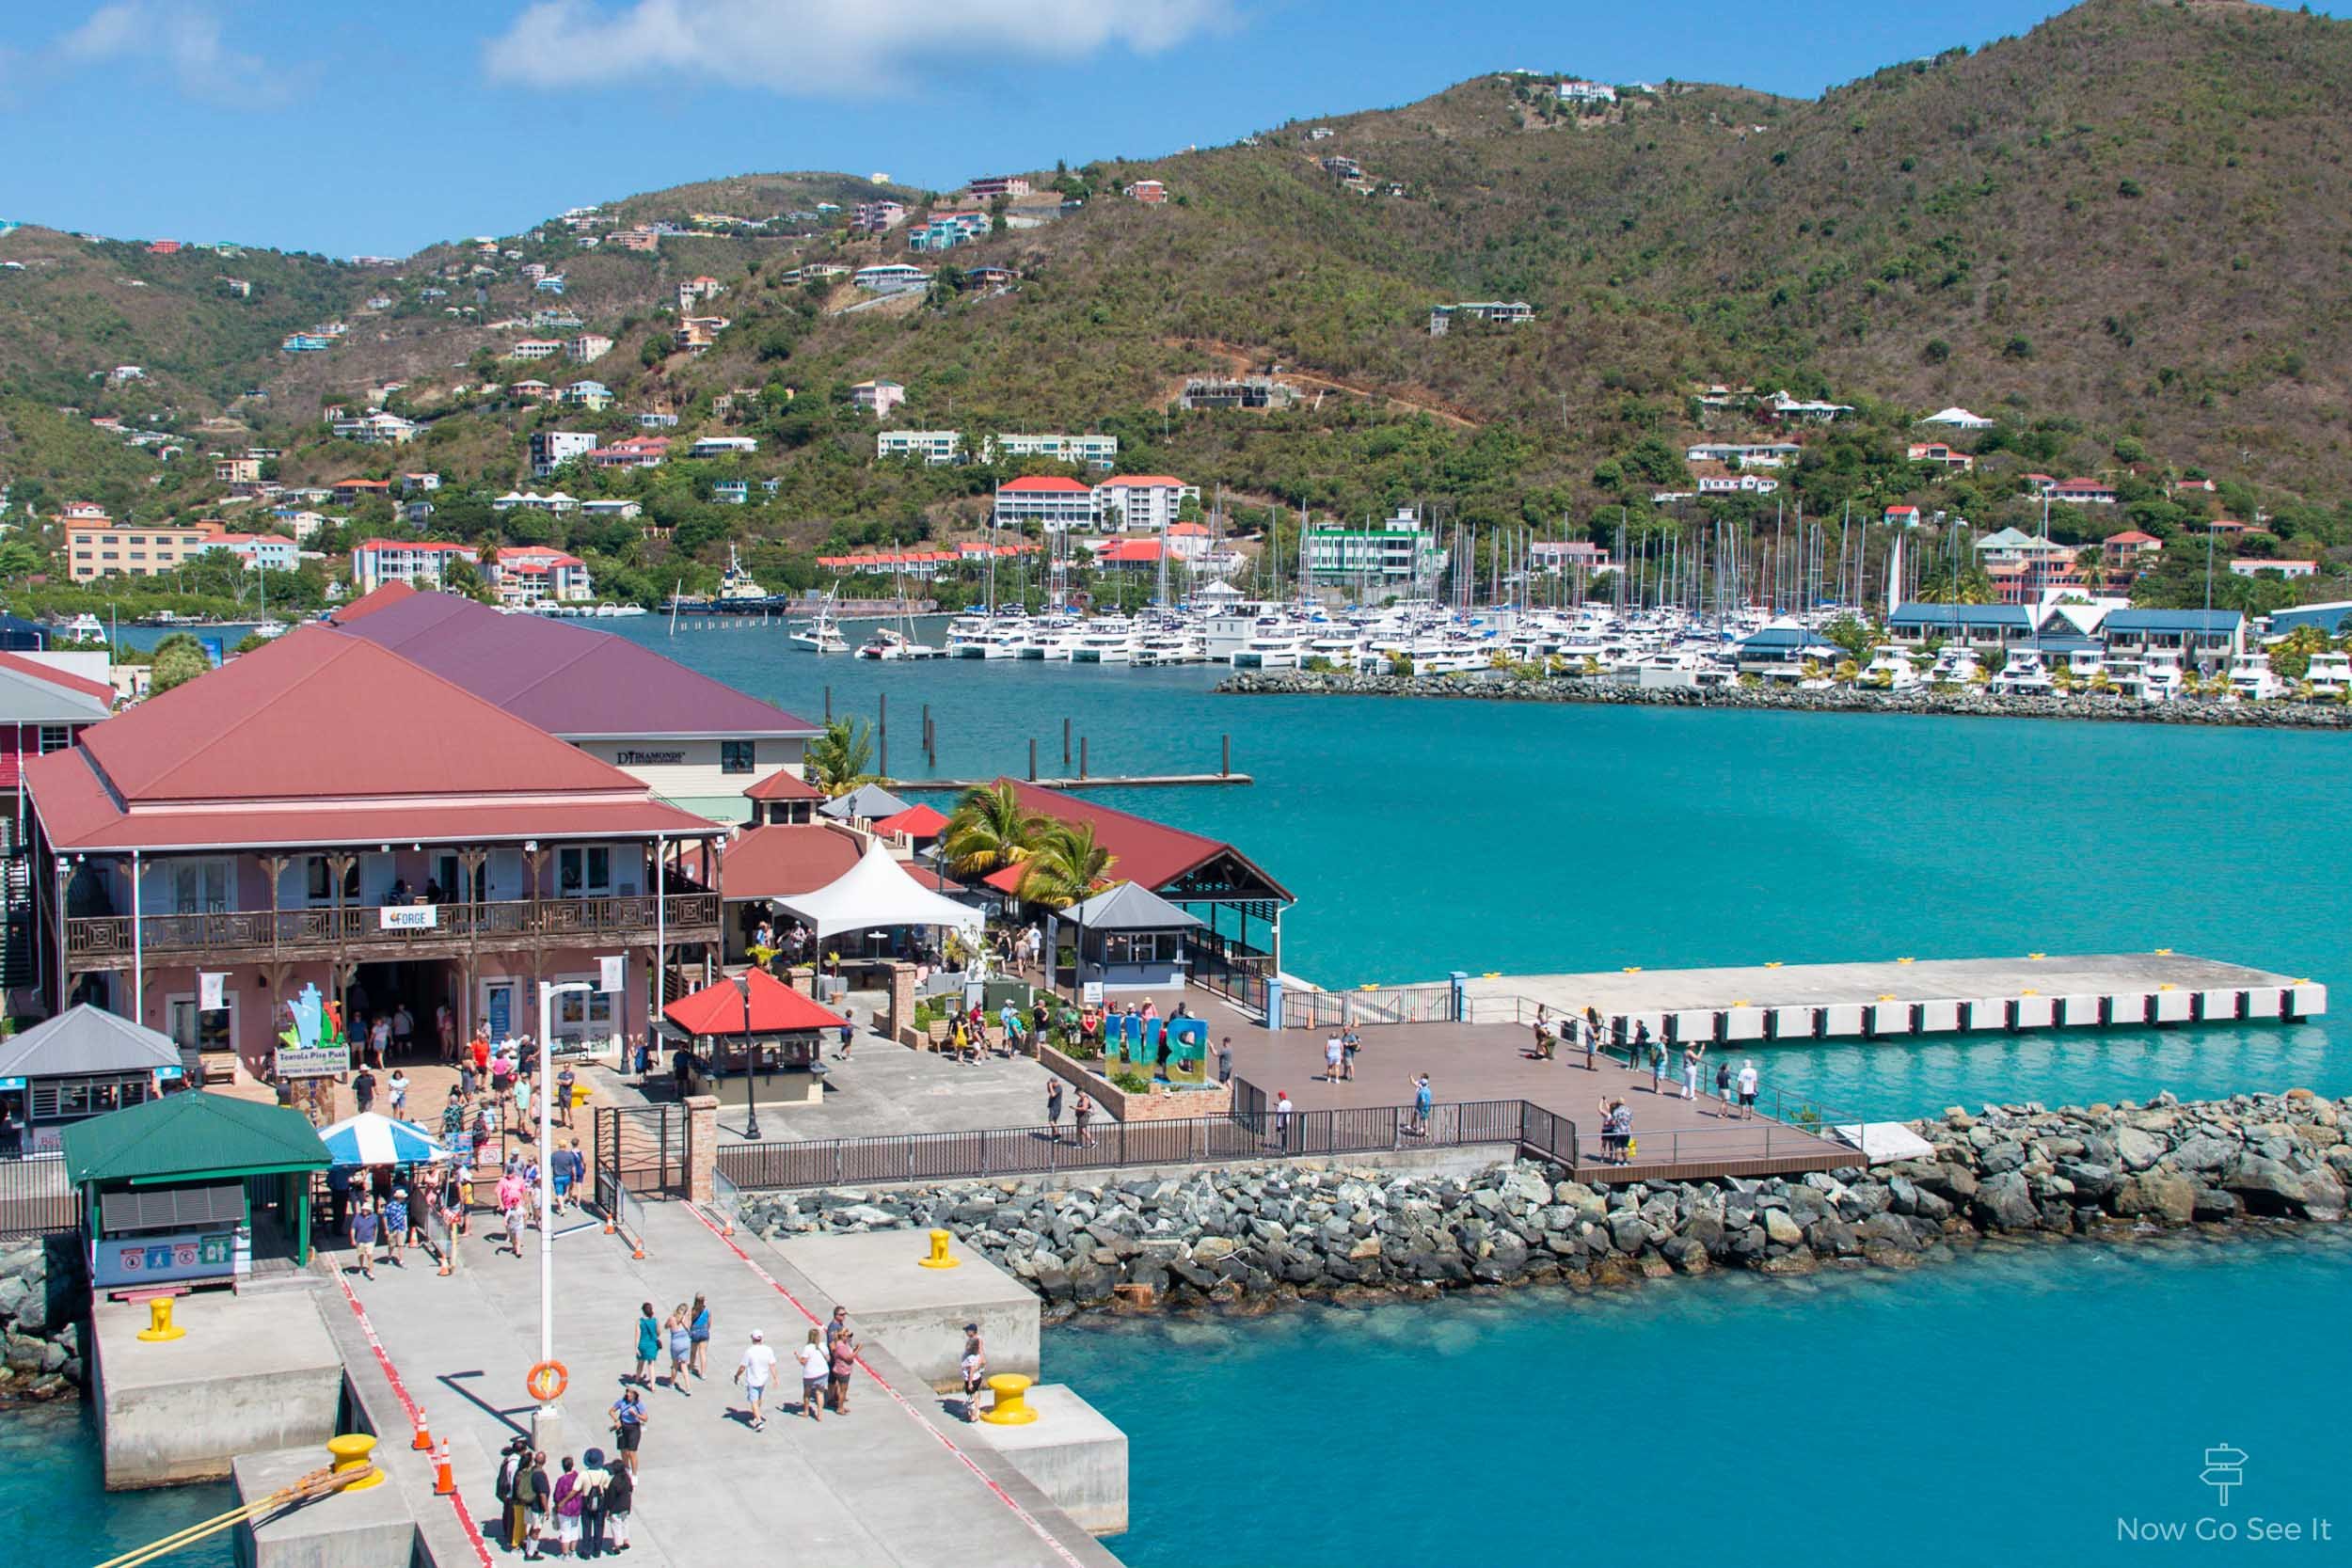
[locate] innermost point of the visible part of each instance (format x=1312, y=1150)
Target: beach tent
x=878, y=891
x=370, y=1138
x=870, y=802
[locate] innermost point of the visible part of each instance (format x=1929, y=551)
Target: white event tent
x=877, y=892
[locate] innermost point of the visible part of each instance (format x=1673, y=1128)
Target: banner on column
x=211, y=991
x=614, y=973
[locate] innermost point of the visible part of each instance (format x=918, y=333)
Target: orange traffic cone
x=444, y=1482
x=422, y=1442
x=637, y=1250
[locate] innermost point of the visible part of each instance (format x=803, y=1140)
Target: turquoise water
x=55, y=1511
x=1426, y=836
x=2003, y=1409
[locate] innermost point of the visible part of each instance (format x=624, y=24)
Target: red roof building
x=324, y=812
x=783, y=798
x=915, y=822
x=772, y=1008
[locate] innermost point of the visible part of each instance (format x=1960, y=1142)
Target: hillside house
x=536, y=348
x=1238, y=392
x=723, y=446
x=555, y=502
x=878, y=398
x=1586, y=94
x=1958, y=418
x=1152, y=192
x=1504, y=313
x=694, y=290
x=1744, y=455
x=2125, y=555
x=935, y=447
x=351, y=492
x=531, y=390
x=1141, y=503
x=587, y=348
x=2083, y=492
x=1098, y=452
x=595, y=396
x=890, y=277
x=237, y=470
x=732, y=492
x=1780, y=405
x=613, y=509
x=263, y=552
x=1938, y=452
x=990, y=186
x=1055, y=504
x=877, y=217
x=2255, y=565
x=552, y=449
x=527, y=575
x=97, y=547
x=1900, y=516
x=697, y=333
x=637, y=451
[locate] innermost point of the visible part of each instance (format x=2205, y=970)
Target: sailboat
x=823, y=634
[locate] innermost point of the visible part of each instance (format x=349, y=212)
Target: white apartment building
x=723, y=446
x=1141, y=503
x=587, y=348
x=935, y=447
x=531, y=575
x=878, y=398
x=1054, y=504
x=552, y=449
x=536, y=348
x=418, y=562
x=1401, y=551
x=1099, y=452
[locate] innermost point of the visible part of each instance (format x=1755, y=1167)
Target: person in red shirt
x=481, y=1049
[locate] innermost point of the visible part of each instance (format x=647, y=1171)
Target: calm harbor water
x=56, y=1513
x=1793, y=1420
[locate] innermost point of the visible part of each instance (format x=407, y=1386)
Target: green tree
x=843, y=758
x=1066, y=866
x=1850, y=634
x=179, y=660
x=989, y=830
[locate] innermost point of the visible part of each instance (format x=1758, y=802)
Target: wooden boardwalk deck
x=1674, y=1139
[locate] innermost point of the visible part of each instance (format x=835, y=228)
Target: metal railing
x=36, y=1199
x=989, y=1152
x=1304, y=1009
x=362, y=924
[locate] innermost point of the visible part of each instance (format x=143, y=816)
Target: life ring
x=547, y=1381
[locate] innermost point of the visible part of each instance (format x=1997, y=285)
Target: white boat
x=2252, y=680
x=1890, y=667
x=821, y=635
x=887, y=644
x=1108, y=640
x=1273, y=643
x=736, y=583
x=84, y=628
x=1049, y=638
x=1957, y=662
x=2023, y=676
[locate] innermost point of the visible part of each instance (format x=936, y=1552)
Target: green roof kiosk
x=168, y=1188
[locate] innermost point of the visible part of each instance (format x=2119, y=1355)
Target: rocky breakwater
x=1947, y=702
x=1250, y=1235
x=41, y=1309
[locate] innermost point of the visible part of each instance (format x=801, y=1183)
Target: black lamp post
x=751, y=1081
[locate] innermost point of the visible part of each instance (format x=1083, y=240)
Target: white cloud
x=831, y=47
x=182, y=40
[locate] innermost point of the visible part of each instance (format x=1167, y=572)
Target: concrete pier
x=921, y=1312
x=363, y=1528
x=1895, y=997
x=1072, y=1452
x=254, y=1372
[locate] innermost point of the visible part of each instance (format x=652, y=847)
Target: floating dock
x=1898, y=997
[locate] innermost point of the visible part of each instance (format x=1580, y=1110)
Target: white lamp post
x=547, y=1423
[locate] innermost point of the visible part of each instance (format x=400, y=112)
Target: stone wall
x=1951, y=702
x=42, y=1305
x=1251, y=1234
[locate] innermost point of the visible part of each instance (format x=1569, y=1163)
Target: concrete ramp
x=1882, y=1141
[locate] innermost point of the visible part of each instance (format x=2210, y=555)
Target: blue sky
x=378, y=128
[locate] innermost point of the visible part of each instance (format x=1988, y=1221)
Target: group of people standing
x=826, y=1360
x=583, y=1505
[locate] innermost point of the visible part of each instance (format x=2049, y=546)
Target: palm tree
x=989, y=830
x=2091, y=562
x=841, y=758
x=1848, y=672
x=1065, y=867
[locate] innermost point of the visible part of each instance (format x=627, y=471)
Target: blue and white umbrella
x=372, y=1139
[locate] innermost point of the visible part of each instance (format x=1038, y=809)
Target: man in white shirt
x=1747, y=1088
x=757, y=1369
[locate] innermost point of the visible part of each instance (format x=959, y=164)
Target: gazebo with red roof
x=749, y=1023
x=783, y=798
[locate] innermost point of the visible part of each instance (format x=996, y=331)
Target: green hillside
x=2120, y=235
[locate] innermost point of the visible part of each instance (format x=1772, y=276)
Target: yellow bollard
x=2164, y=952
x=939, y=1258
x=1773, y=964
x=1906, y=960
x=1631, y=968
x=354, y=1451
x=1011, y=1408
x=159, y=1324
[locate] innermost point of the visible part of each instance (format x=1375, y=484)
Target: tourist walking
x=620, y=1495
x=514, y=1467
x=1656, y=1051
x=403, y=1027
x=538, y=1496
x=1225, y=1060
x=364, y=1226
x=565, y=1081
x=1592, y=1038
x=681, y=1346
x=1350, y=1043
x=974, y=1367
x=1080, y=1115
x=396, y=1226
x=649, y=1345
x=629, y=1423
x=1694, y=1057
x=755, y=1373
x=1281, y=1118
x=842, y=1362
x=398, y=1084
x=1425, y=1102
x=363, y=1088
x=1332, y=1051
x=511, y=1204
x=698, y=1338
x=1747, y=1088
x=816, y=1371
x=567, y=1506
x=1053, y=1108
x=1723, y=1085
x=445, y=1025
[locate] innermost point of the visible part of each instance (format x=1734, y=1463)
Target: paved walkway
x=894, y=1485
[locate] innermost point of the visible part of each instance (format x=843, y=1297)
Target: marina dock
x=1896, y=997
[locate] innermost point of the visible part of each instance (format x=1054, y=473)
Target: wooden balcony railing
x=689, y=916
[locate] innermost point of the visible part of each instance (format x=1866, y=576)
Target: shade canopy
x=85, y=1039
x=776, y=1009
x=870, y=802
x=184, y=1136
x=878, y=891
x=372, y=1138
x=1130, y=907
